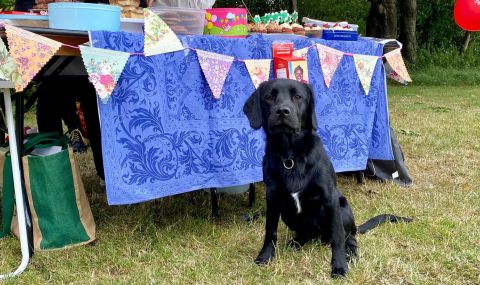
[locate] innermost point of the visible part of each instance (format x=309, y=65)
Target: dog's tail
x=380, y=219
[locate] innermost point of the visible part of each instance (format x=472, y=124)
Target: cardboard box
x=288, y=66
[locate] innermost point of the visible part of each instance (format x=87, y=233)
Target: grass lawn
x=175, y=240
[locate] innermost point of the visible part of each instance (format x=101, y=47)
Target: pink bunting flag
x=329, y=60
x=159, y=38
x=104, y=67
x=365, y=66
x=259, y=70
x=30, y=52
x=215, y=67
x=395, y=61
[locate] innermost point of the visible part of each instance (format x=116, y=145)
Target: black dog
x=300, y=180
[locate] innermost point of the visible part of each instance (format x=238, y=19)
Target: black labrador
x=300, y=180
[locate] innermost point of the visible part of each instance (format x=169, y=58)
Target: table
x=163, y=133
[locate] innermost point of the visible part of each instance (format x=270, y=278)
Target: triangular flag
x=215, y=67
x=259, y=70
x=30, y=52
x=8, y=68
x=365, y=66
x=393, y=74
x=104, y=68
x=301, y=53
x=159, y=38
x=395, y=60
x=329, y=60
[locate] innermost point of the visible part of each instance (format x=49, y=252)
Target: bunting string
x=29, y=52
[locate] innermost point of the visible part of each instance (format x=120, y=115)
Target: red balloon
x=467, y=14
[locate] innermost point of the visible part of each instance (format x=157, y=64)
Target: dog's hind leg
x=351, y=247
x=300, y=240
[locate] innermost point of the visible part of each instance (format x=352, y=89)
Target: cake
x=273, y=27
x=286, y=28
x=298, y=29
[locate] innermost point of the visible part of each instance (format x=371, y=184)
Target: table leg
x=19, y=124
x=17, y=181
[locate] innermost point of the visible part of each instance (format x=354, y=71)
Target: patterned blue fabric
x=164, y=134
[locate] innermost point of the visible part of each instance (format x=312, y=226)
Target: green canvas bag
x=61, y=214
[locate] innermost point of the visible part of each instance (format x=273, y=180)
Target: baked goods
x=286, y=28
x=274, y=28
x=298, y=29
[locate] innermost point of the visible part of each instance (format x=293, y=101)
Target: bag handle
x=42, y=140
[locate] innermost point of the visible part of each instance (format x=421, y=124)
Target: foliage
x=7, y=5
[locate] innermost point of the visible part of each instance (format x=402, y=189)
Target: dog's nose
x=283, y=112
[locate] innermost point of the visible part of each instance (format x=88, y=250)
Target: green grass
x=175, y=240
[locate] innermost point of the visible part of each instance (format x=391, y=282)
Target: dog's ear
x=253, y=110
x=311, y=109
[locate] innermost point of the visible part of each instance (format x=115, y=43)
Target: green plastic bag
x=61, y=214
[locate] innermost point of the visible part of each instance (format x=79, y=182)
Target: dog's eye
x=297, y=97
x=269, y=97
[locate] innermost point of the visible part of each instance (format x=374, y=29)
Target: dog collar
x=288, y=164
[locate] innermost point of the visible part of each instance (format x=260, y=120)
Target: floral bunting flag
x=30, y=52
x=104, y=68
x=259, y=70
x=215, y=67
x=329, y=60
x=301, y=53
x=159, y=38
x=365, y=66
x=395, y=61
x=8, y=68
x=393, y=74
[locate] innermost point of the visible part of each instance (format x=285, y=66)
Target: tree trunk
x=408, y=10
x=293, y=5
x=466, y=40
x=382, y=19
x=391, y=19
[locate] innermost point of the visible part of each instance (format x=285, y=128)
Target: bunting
x=365, y=66
x=8, y=68
x=159, y=38
x=259, y=70
x=104, y=68
x=395, y=62
x=301, y=52
x=30, y=52
x=215, y=67
x=329, y=60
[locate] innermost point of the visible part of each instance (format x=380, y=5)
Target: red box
x=288, y=66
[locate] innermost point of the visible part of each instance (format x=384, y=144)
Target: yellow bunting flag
x=259, y=70
x=30, y=52
x=365, y=66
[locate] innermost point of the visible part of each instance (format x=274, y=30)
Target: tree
x=408, y=22
x=382, y=19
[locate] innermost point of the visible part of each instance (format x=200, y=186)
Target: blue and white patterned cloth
x=163, y=133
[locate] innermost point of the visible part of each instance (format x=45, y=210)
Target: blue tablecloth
x=163, y=133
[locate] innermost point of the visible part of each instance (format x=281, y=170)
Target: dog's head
x=281, y=105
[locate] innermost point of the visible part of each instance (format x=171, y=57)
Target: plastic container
x=25, y=20
x=340, y=35
x=132, y=25
x=183, y=21
x=227, y=22
x=196, y=4
x=84, y=16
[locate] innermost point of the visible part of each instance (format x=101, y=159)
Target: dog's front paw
x=338, y=272
x=264, y=258
x=339, y=269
